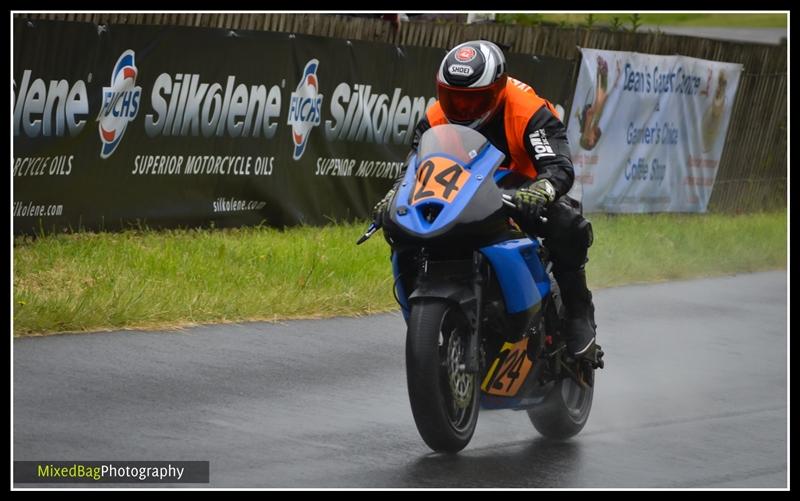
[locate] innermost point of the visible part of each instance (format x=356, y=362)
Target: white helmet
x=471, y=82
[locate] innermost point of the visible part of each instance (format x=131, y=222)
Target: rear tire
x=564, y=411
x=444, y=399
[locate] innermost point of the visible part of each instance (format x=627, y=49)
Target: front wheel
x=565, y=409
x=444, y=397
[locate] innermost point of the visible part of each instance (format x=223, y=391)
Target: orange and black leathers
x=526, y=128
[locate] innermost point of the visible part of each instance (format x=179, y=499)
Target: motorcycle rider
x=475, y=90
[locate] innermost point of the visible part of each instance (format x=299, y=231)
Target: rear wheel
x=444, y=397
x=565, y=409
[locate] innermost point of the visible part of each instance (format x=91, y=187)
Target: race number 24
x=439, y=178
x=507, y=379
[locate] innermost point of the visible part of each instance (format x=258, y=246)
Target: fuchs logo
x=120, y=103
x=465, y=54
x=304, y=108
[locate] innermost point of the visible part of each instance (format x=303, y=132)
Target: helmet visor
x=465, y=104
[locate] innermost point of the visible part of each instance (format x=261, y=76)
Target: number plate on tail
x=509, y=370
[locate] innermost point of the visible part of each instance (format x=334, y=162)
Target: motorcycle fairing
x=410, y=215
x=514, y=262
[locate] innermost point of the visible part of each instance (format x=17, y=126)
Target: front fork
x=472, y=307
x=473, y=354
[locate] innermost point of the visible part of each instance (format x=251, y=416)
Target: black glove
x=533, y=200
x=381, y=208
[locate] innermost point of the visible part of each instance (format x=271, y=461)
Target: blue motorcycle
x=483, y=310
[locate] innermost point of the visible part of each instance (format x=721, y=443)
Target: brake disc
x=460, y=381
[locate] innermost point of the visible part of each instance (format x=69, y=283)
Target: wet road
x=694, y=394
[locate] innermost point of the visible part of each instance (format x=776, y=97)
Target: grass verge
x=150, y=279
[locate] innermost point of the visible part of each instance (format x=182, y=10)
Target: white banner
x=646, y=132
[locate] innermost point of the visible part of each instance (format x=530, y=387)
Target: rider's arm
x=420, y=129
x=546, y=142
x=422, y=126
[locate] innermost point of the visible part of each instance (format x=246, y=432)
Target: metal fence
x=753, y=168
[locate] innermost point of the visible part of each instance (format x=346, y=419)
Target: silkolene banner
x=647, y=131
x=167, y=126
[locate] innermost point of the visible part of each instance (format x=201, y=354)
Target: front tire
x=444, y=398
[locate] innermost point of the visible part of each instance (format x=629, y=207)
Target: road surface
x=694, y=394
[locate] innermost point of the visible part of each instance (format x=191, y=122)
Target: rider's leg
x=568, y=236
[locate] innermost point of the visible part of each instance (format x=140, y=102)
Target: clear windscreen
x=457, y=141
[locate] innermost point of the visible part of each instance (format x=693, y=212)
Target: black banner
x=169, y=126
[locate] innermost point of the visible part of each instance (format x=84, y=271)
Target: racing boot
x=579, y=326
